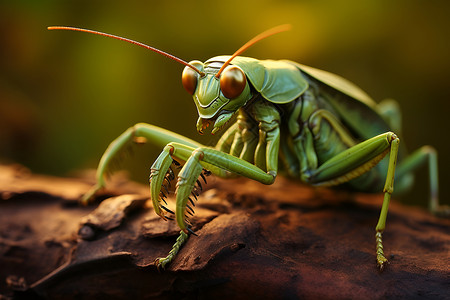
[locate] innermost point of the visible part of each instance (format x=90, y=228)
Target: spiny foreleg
x=188, y=188
x=188, y=184
x=161, y=176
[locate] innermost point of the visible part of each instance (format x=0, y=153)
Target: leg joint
x=392, y=137
x=198, y=153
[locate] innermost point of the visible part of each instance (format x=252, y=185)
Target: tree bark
x=284, y=241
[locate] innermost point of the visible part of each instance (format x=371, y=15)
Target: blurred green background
x=65, y=95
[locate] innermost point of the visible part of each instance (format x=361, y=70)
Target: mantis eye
x=232, y=81
x=189, y=79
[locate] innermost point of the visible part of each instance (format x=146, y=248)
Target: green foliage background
x=65, y=95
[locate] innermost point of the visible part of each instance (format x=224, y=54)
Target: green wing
x=337, y=82
x=353, y=105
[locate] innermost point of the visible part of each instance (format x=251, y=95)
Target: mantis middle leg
x=157, y=136
x=425, y=155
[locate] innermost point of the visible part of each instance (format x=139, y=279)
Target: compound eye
x=232, y=82
x=189, y=79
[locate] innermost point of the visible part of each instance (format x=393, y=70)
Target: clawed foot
x=162, y=262
x=382, y=261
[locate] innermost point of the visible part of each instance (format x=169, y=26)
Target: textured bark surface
x=284, y=241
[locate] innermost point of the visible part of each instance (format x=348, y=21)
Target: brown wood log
x=285, y=241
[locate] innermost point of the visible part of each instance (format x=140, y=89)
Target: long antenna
x=259, y=37
x=129, y=41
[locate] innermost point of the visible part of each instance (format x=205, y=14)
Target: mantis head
x=217, y=97
x=218, y=87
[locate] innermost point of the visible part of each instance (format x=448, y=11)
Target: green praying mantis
x=307, y=123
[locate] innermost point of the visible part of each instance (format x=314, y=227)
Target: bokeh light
x=65, y=95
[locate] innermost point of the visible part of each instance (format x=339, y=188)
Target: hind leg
x=425, y=155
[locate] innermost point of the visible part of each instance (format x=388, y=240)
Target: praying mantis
x=282, y=116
